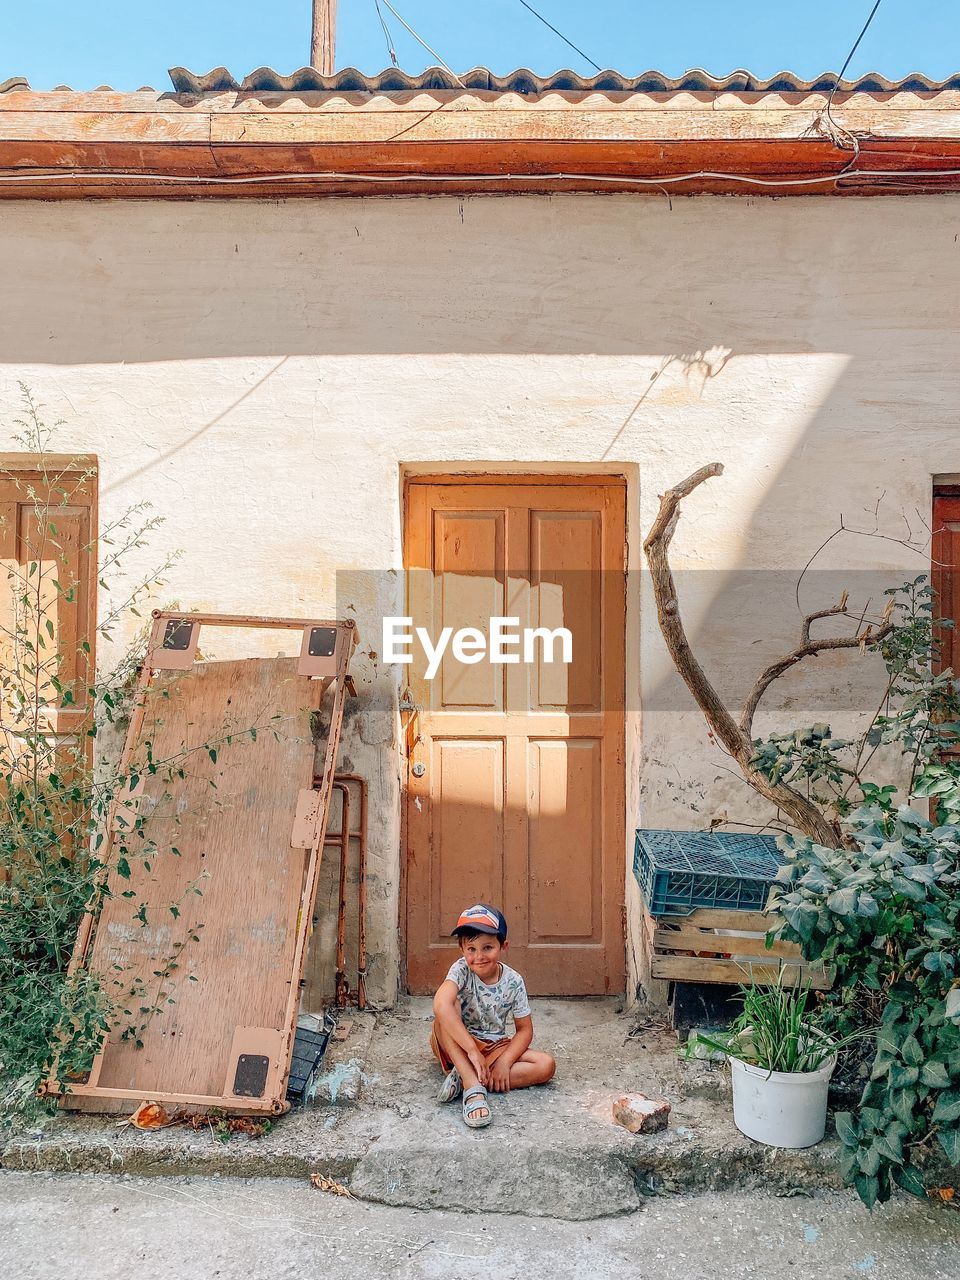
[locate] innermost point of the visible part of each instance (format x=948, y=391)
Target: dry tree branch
x=802, y=812
x=810, y=648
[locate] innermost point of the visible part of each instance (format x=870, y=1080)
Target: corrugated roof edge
x=349, y=79
x=392, y=80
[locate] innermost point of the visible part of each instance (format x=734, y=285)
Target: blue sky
x=128, y=43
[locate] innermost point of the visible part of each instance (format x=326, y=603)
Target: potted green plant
x=781, y=1059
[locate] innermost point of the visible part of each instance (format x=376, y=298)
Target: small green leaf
x=902, y=1103
x=947, y=1110
x=902, y=1077
x=911, y=1180
x=869, y=1159
x=847, y=1129
x=911, y=1052
x=935, y=1075
x=867, y=1188
x=949, y=1139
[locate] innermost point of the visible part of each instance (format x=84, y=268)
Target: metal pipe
x=361, y=891
x=341, y=986
x=335, y=837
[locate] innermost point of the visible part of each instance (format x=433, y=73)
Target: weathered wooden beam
x=323, y=36
x=448, y=142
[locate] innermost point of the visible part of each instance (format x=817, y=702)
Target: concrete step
x=549, y=1152
x=431, y=1161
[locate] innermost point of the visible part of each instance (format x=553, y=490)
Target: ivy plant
x=883, y=910
x=58, y=792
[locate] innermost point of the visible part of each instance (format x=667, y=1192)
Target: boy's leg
x=458, y=1057
x=532, y=1068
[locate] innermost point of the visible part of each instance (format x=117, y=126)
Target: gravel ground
x=54, y=1226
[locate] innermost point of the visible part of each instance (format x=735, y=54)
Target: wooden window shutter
x=48, y=595
x=945, y=571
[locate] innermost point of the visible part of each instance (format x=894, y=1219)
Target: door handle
x=409, y=719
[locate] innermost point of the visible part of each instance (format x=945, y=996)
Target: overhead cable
x=432, y=52
x=391, y=51
x=593, y=64
x=836, y=130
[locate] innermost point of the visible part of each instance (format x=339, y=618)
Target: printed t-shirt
x=485, y=1008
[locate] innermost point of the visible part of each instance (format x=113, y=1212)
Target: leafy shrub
x=887, y=916
x=54, y=799
x=884, y=910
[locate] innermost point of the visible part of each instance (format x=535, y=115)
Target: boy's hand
x=500, y=1076
x=479, y=1065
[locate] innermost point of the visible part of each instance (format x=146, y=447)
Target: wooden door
x=520, y=795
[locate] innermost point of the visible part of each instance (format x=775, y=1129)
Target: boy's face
x=482, y=955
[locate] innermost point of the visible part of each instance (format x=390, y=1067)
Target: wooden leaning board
x=225, y=891
x=705, y=946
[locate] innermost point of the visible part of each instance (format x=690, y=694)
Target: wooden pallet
x=705, y=946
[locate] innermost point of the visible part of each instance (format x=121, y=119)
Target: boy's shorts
x=491, y=1050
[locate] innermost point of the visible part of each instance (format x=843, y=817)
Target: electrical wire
x=391, y=51
x=837, y=130
x=593, y=64
x=844, y=175
x=432, y=52
x=856, y=45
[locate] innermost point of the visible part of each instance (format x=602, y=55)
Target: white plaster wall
x=260, y=371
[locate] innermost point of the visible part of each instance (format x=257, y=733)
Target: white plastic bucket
x=781, y=1108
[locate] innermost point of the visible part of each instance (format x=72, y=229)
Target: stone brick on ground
x=640, y=1114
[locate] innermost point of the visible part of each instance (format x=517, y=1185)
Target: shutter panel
x=945, y=574
x=48, y=595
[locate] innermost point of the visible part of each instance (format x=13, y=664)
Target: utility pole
x=323, y=36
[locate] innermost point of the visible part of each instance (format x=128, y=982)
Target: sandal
x=451, y=1087
x=471, y=1117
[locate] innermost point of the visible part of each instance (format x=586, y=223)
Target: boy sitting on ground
x=471, y=1008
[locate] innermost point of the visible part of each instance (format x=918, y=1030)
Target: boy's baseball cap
x=481, y=918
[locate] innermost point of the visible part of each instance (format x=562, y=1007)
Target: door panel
x=469, y=545
x=564, y=868
x=468, y=827
x=566, y=594
x=521, y=798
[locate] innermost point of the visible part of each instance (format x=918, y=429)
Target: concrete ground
x=551, y=1152
x=52, y=1226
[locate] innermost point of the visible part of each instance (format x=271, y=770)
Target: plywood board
x=202, y=935
x=222, y=890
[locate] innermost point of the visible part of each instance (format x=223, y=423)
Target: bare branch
x=802, y=812
x=809, y=648
x=839, y=608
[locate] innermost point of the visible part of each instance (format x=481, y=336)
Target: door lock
x=419, y=769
